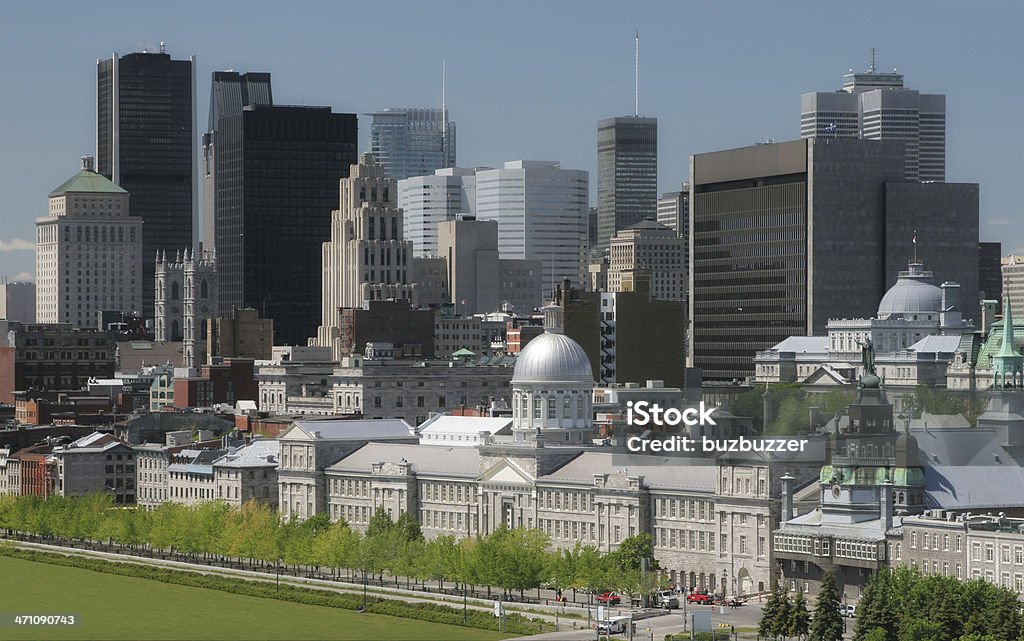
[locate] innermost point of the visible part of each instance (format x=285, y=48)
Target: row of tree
x=783, y=617
x=904, y=605
x=511, y=560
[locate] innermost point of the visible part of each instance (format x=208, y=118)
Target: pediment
x=506, y=472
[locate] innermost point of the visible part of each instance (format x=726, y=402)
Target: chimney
x=787, y=496
x=950, y=315
x=885, y=504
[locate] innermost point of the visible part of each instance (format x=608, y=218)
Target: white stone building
x=367, y=257
x=190, y=477
x=428, y=200
x=248, y=473
x=462, y=431
x=185, y=298
x=88, y=252
x=650, y=246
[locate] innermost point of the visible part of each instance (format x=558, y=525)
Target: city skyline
x=496, y=98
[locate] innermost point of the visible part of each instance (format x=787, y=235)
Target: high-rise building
x=990, y=277
x=627, y=174
x=412, y=142
x=278, y=170
x=674, y=211
x=88, y=252
x=479, y=281
x=653, y=247
x=17, y=301
x=786, y=236
x=229, y=93
x=366, y=257
x=542, y=214
x=146, y=144
x=1013, y=280
x=877, y=106
x=427, y=201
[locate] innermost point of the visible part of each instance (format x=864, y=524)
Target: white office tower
x=427, y=201
x=366, y=258
x=88, y=252
x=542, y=214
x=875, y=105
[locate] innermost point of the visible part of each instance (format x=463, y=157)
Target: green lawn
x=119, y=607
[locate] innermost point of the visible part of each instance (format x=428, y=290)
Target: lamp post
x=278, y=583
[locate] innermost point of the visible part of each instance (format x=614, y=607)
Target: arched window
x=175, y=331
x=203, y=289
x=174, y=290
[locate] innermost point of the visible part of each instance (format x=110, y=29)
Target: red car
x=702, y=598
x=609, y=598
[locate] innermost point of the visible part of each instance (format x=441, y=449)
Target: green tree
x=875, y=611
x=409, y=527
x=380, y=523
x=633, y=550
x=799, y=617
x=769, y=624
x=336, y=547
x=827, y=624
x=784, y=617
x=919, y=629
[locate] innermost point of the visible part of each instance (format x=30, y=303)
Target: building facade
x=430, y=200
x=185, y=298
x=18, y=301
x=278, y=171
x=627, y=174
x=146, y=134
x=412, y=142
x=88, y=252
x=96, y=463
x=875, y=105
x=248, y=473
x=542, y=214
x=655, y=248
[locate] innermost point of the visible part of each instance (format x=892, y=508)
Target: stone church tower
x=186, y=296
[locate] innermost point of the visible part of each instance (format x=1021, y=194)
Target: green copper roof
x=87, y=181
x=994, y=342
x=464, y=352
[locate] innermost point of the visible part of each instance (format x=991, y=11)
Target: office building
x=278, y=170
x=627, y=174
x=674, y=211
x=18, y=301
x=629, y=336
x=243, y=335
x=427, y=201
x=89, y=252
x=146, y=144
x=230, y=92
x=412, y=142
x=990, y=272
x=1012, y=269
x=875, y=105
x=650, y=246
x=776, y=227
x=542, y=214
x=479, y=281
x=408, y=331
x=365, y=257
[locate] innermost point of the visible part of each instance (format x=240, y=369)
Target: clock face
x=836, y=490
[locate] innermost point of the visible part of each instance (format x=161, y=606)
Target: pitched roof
x=814, y=344
x=472, y=425
x=461, y=462
x=967, y=468
x=353, y=430
x=87, y=181
x=262, y=452
x=659, y=472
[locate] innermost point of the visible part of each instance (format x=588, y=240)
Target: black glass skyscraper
x=145, y=143
x=277, y=182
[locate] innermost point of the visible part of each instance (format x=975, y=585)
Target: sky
x=525, y=79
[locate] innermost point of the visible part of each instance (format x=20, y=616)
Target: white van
x=614, y=625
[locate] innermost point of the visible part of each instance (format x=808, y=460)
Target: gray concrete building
x=18, y=301
x=248, y=473
x=96, y=463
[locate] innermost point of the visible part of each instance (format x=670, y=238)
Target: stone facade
x=185, y=298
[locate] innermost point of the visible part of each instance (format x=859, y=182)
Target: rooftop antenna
x=163, y=47
x=915, y=245
x=636, y=75
x=874, y=60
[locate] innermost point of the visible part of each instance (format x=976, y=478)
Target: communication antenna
x=874, y=60
x=636, y=75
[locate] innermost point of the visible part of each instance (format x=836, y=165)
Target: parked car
x=614, y=625
x=735, y=602
x=702, y=598
x=666, y=599
x=609, y=598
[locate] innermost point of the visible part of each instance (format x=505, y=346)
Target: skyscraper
x=777, y=229
x=876, y=105
x=229, y=93
x=542, y=214
x=88, y=252
x=412, y=142
x=427, y=201
x=278, y=170
x=145, y=143
x=364, y=257
x=627, y=174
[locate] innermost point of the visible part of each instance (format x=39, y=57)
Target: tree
x=827, y=624
x=784, y=617
x=380, y=523
x=875, y=611
x=336, y=546
x=409, y=527
x=633, y=550
x=769, y=624
x=917, y=629
x=799, y=617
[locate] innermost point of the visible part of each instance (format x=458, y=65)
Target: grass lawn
x=117, y=607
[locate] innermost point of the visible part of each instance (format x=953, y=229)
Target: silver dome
x=913, y=293
x=552, y=358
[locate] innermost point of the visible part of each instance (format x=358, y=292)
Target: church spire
x=1008, y=365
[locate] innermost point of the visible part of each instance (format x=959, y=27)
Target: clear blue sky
x=526, y=79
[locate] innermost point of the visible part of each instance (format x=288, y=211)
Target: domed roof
x=552, y=357
x=913, y=293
